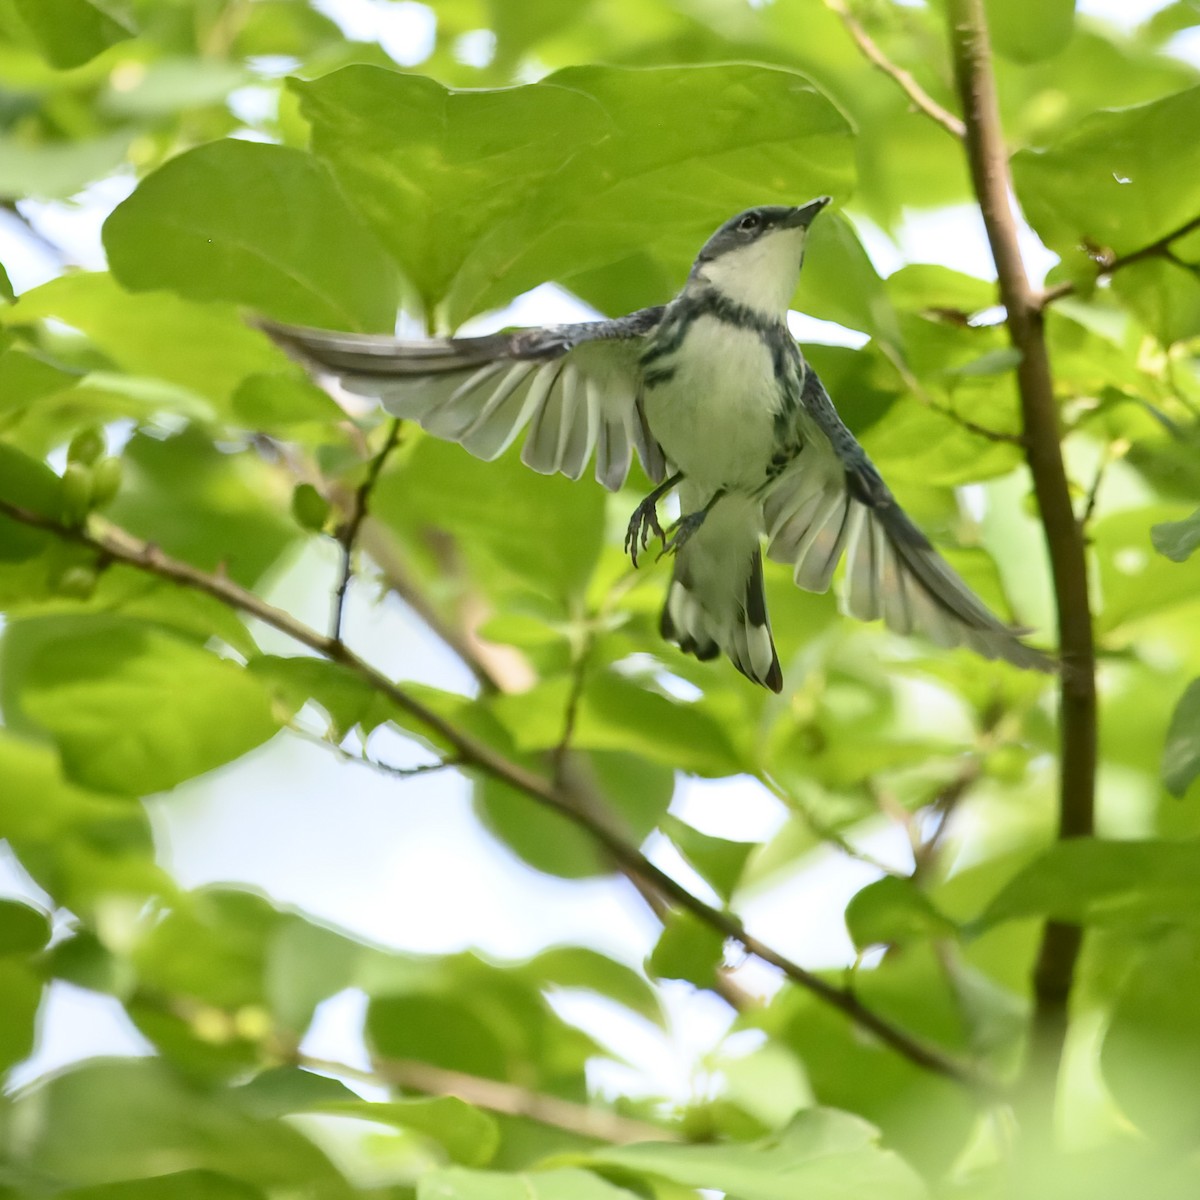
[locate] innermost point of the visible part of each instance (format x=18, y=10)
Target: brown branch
x=1109, y=264
x=497, y=1096
x=920, y=98
x=116, y=545
x=348, y=533
x=988, y=160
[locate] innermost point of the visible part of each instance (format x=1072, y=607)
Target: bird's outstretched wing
x=576, y=388
x=830, y=500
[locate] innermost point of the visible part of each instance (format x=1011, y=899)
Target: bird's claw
x=643, y=525
x=681, y=533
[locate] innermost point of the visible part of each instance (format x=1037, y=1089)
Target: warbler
x=714, y=396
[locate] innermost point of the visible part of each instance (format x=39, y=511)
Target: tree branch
x=348, y=534
x=988, y=160
x=1109, y=264
x=499, y=1097
x=920, y=98
x=116, y=545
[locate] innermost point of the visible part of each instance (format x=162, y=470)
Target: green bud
x=86, y=446
x=78, y=582
x=76, y=493
x=106, y=481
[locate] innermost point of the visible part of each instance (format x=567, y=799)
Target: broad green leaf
x=132, y=709
x=20, y=995
x=6, y=287
x=1085, y=881
x=599, y=183
x=468, y=1136
x=281, y=401
x=75, y=1132
x=178, y=1185
x=564, y=1183
x=55, y=170
x=175, y=85
x=1177, y=539
x=1164, y=295
x=687, y=948
x=24, y=378
x=23, y=930
x=70, y=32
x=719, y=860
x=1151, y=1052
x=1181, y=756
x=821, y=1155
x=439, y=1029
x=1121, y=179
x=580, y=967
x=205, y=348
x=1029, y=30
x=894, y=911
x=254, y=224
x=346, y=698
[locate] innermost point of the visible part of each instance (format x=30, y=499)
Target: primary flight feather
x=712, y=389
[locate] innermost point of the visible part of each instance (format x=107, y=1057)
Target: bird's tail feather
x=716, y=600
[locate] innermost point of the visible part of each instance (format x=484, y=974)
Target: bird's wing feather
x=831, y=501
x=575, y=388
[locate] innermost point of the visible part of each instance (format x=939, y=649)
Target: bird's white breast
x=714, y=417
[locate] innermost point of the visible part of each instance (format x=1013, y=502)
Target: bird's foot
x=643, y=525
x=682, y=531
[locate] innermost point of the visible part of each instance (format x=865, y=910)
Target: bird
x=714, y=396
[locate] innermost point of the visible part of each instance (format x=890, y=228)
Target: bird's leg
x=644, y=521
x=687, y=525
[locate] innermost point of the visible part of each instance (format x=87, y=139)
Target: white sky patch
x=405, y=31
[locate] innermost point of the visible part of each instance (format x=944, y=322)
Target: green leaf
x=274, y=401
x=1181, y=756
x=687, y=948
x=56, y=170
x=894, y=911
x=1090, y=882
x=598, y=181
x=6, y=287
x=205, y=348
x=1119, y=179
x=719, y=861
x=70, y=32
x=458, y=1183
x=254, y=224
x=1164, y=295
x=347, y=698
x=179, y=1185
x=579, y=967
x=23, y=930
x=1027, y=31
x=468, y=1136
x=1177, y=539
x=132, y=709
x=821, y=1155
x=76, y=1133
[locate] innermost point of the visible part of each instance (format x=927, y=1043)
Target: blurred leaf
x=458, y=1183
x=1177, y=539
x=719, y=861
x=23, y=930
x=1181, y=756
x=580, y=967
x=254, y=224
x=6, y=287
x=178, y=1185
x=688, y=949
x=132, y=709
x=894, y=911
x=20, y=997
x=821, y=1155
x=1029, y=30
x=1164, y=295
x=1089, y=882
x=55, y=170
x=468, y=1136
x=70, y=32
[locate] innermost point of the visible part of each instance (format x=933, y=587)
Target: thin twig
x=375, y=764
x=348, y=534
x=1114, y=450
x=114, y=544
x=1109, y=264
x=920, y=98
x=989, y=164
x=508, y=1099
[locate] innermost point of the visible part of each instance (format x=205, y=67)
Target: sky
x=408, y=866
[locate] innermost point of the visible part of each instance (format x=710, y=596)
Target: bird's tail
x=716, y=599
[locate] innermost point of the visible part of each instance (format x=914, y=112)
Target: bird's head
x=754, y=258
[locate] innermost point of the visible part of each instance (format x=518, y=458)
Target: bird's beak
x=802, y=217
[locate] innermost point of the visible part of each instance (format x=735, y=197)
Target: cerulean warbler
x=713, y=388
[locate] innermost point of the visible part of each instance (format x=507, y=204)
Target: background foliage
x=264, y=160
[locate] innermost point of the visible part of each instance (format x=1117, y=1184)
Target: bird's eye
x=748, y=223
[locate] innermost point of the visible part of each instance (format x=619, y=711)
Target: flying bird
x=714, y=396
